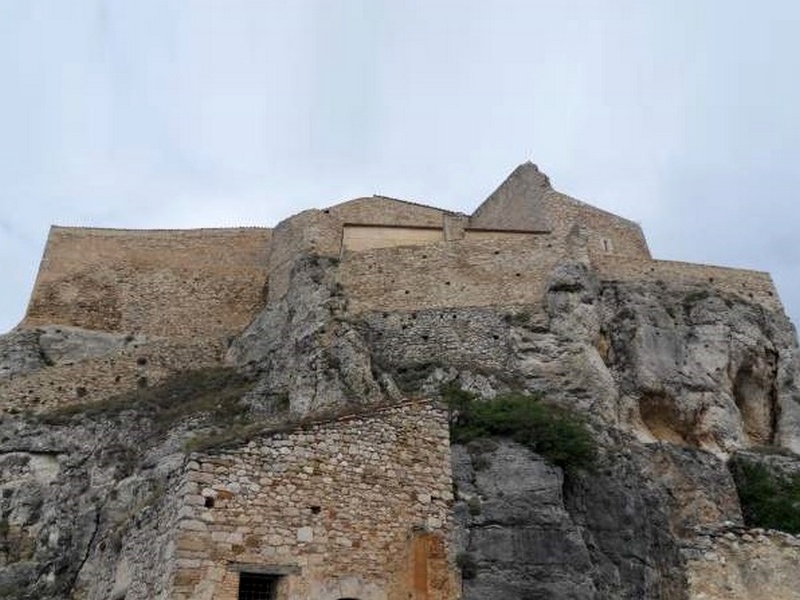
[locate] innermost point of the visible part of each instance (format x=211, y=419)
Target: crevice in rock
x=88, y=551
x=755, y=394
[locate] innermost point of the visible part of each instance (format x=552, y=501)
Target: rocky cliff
x=675, y=381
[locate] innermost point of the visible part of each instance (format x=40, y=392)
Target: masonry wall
x=312, y=232
x=206, y=282
x=365, y=237
x=752, y=285
x=625, y=237
x=140, y=362
x=379, y=210
x=740, y=564
x=356, y=507
x=505, y=271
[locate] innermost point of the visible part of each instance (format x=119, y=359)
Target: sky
x=682, y=115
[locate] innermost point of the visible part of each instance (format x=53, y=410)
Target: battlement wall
x=356, y=507
x=751, y=285
x=505, y=271
x=184, y=283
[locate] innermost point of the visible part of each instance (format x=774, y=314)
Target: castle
x=395, y=255
x=355, y=507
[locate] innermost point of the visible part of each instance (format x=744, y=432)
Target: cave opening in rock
x=665, y=421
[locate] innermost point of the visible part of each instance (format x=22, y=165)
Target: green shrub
x=559, y=435
x=768, y=500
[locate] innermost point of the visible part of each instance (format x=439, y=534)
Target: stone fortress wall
x=395, y=255
x=180, y=284
x=186, y=293
x=353, y=507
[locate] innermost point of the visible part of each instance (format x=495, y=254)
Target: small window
x=607, y=245
x=257, y=586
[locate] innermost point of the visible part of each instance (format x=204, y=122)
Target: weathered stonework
x=734, y=563
x=395, y=255
x=353, y=507
x=348, y=323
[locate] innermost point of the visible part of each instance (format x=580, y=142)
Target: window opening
x=257, y=586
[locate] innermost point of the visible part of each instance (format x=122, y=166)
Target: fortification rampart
x=607, y=233
x=395, y=255
x=754, y=286
x=451, y=274
x=183, y=284
x=351, y=508
x=312, y=232
x=140, y=363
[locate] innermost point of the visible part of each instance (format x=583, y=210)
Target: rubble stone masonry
x=354, y=507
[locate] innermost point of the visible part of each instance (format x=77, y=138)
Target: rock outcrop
x=120, y=452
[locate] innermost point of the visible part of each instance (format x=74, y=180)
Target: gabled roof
x=517, y=205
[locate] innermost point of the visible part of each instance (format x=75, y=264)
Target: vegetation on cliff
x=559, y=435
x=214, y=392
x=769, y=499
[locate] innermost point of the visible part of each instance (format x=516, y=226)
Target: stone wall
x=365, y=237
x=192, y=283
x=352, y=507
x=607, y=233
x=312, y=232
x=752, y=285
x=738, y=564
x=451, y=274
x=211, y=283
x=379, y=210
x=137, y=363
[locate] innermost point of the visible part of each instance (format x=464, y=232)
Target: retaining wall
x=754, y=286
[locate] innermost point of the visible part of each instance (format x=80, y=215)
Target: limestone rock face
x=302, y=349
x=27, y=350
x=673, y=379
x=77, y=505
x=700, y=369
x=516, y=536
x=523, y=527
x=20, y=353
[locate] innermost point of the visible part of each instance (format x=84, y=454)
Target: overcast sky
x=681, y=115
